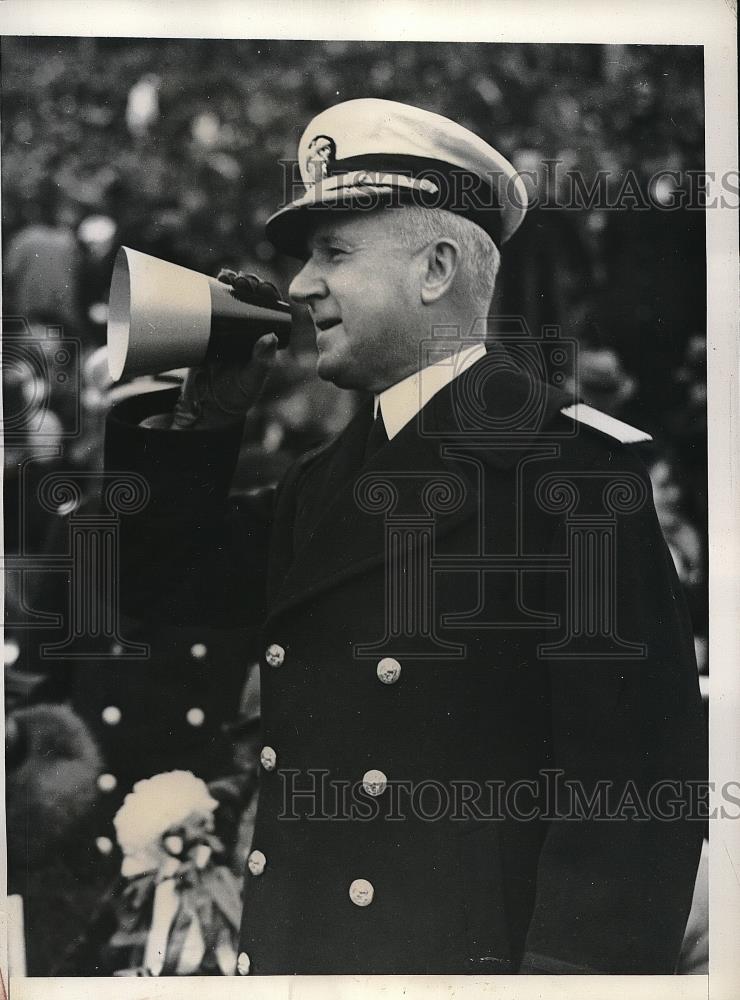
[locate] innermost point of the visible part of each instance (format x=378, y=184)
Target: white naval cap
x=369, y=153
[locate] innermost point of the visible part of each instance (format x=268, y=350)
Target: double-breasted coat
x=478, y=687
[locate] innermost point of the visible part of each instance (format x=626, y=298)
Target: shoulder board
x=585, y=414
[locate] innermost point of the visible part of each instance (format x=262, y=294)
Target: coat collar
x=497, y=409
x=494, y=410
x=401, y=402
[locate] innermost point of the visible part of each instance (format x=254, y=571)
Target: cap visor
x=289, y=229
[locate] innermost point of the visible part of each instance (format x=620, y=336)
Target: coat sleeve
x=614, y=887
x=191, y=554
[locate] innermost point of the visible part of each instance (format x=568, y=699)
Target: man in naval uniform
x=481, y=719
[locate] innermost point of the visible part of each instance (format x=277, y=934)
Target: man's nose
x=307, y=284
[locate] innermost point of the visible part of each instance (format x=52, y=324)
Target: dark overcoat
x=478, y=679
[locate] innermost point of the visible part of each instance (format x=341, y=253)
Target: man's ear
x=441, y=261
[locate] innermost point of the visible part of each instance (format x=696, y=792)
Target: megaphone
x=162, y=316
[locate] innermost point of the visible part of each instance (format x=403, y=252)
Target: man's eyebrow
x=329, y=239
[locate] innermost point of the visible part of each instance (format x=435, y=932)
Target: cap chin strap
x=364, y=189
x=370, y=179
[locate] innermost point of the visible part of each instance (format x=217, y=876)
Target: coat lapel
x=341, y=512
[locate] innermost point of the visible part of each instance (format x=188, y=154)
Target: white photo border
x=710, y=23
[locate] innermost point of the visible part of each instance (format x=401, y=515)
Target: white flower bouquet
x=179, y=914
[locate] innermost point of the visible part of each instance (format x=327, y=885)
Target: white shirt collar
x=401, y=402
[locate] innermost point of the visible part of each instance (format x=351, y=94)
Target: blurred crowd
x=171, y=147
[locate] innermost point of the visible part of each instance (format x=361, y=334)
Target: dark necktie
x=376, y=438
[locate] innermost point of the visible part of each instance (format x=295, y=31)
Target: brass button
x=389, y=670
x=199, y=651
x=256, y=862
x=195, y=716
x=361, y=892
x=374, y=782
x=107, y=782
x=111, y=715
x=104, y=845
x=243, y=964
x=268, y=758
x=275, y=655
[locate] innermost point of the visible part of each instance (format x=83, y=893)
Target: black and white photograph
x=369, y=407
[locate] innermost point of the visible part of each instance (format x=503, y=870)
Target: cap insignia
x=322, y=151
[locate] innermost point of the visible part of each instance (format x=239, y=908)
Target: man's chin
x=332, y=370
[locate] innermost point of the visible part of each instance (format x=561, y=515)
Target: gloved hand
x=219, y=393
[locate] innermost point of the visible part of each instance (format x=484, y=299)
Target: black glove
x=250, y=288
x=221, y=392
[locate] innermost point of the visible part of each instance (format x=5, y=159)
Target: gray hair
x=480, y=256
